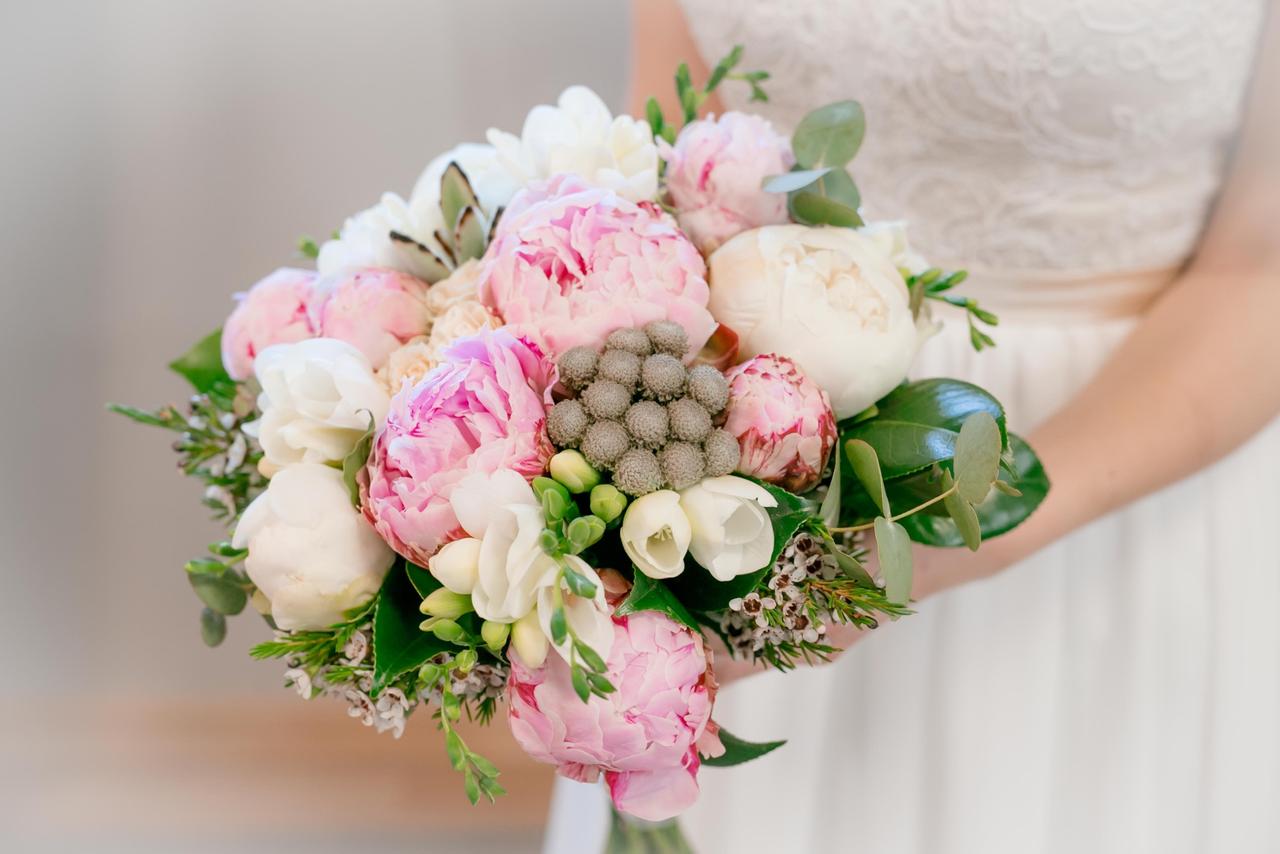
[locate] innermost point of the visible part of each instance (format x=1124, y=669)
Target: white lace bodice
x=1047, y=135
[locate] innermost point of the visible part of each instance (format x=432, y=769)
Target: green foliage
x=977, y=457
x=831, y=200
x=202, y=367
x=355, y=462
x=796, y=179
x=222, y=593
x=308, y=248
x=866, y=467
x=819, y=188
x=479, y=775
x=829, y=136
x=648, y=594
x=213, y=627
x=737, y=750
x=893, y=553
x=934, y=284
x=691, y=98
x=399, y=645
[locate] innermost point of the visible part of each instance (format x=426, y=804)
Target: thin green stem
x=869, y=525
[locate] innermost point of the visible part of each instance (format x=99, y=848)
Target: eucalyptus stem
x=941, y=496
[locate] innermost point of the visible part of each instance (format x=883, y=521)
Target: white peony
x=732, y=532
x=655, y=534
x=891, y=237
x=310, y=552
x=366, y=238
x=317, y=396
x=580, y=136
x=830, y=299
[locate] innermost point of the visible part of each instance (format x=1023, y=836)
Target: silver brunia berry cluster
x=640, y=414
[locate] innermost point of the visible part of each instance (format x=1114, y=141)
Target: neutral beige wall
x=155, y=157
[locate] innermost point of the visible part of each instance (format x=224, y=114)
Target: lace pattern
x=1081, y=135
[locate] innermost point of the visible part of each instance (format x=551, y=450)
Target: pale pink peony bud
x=273, y=311
x=375, y=310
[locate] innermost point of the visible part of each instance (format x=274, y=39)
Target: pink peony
x=483, y=409
x=571, y=263
x=714, y=176
x=783, y=421
x=274, y=311
x=645, y=736
x=376, y=310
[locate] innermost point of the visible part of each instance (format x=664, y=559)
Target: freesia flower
x=783, y=422
x=483, y=410
x=317, y=398
x=655, y=534
x=375, y=310
x=828, y=298
x=579, y=136
x=571, y=263
x=715, y=173
x=732, y=534
x=645, y=737
x=273, y=311
x=310, y=553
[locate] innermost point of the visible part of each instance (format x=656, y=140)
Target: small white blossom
x=300, y=680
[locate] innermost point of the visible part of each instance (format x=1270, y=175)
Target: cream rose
x=317, y=396
x=830, y=299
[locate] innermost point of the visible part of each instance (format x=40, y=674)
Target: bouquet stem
x=629, y=835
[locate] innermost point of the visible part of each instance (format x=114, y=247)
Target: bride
x=1107, y=677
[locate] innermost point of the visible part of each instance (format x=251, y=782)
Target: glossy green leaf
x=830, y=135
x=999, y=514
x=963, y=514
x=737, y=750
x=202, y=366
x=213, y=627
x=398, y=644
x=893, y=553
x=424, y=583
x=220, y=592
x=977, y=457
x=648, y=594
x=866, y=466
x=789, y=182
x=355, y=462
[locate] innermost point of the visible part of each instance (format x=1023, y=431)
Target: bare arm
x=660, y=41
x=1196, y=379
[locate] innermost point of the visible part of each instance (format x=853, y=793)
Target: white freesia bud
x=588, y=619
x=529, y=640
x=732, y=532
x=655, y=534
x=311, y=554
x=317, y=397
x=457, y=564
x=830, y=299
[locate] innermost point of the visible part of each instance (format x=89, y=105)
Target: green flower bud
x=447, y=630
x=446, y=604
x=573, y=470
x=554, y=505
x=549, y=542
x=495, y=635
x=584, y=532
x=465, y=660
x=430, y=672
x=607, y=502
x=544, y=484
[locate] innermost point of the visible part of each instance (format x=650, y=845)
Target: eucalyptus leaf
x=355, y=461
x=830, y=135
x=893, y=552
x=977, y=457
x=809, y=208
x=648, y=594
x=795, y=180
x=213, y=627
x=866, y=466
x=737, y=750
x=963, y=514
x=398, y=644
x=202, y=366
x=850, y=565
x=220, y=592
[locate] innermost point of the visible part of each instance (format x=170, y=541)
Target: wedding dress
x=1120, y=690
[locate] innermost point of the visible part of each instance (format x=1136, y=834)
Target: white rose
x=365, y=238
x=462, y=286
x=580, y=136
x=829, y=298
x=311, y=554
x=317, y=396
x=655, y=534
x=732, y=532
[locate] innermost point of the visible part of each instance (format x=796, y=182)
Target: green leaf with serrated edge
x=963, y=514
x=219, y=592
x=737, y=750
x=999, y=514
x=213, y=627
x=355, y=461
x=398, y=644
x=202, y=366
x=789, y=182
x=977, y=457
x=808, y=208
x=893, y=553
x=469, y=236
x=648, y=594
x=699, y=591
x=455, y=194
x=866, y=466
x=830, y=135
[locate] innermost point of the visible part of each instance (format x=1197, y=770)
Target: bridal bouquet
x=593, y=400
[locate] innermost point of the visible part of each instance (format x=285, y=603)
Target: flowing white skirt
x=1117, y=692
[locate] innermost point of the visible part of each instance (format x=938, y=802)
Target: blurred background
x=157, y=157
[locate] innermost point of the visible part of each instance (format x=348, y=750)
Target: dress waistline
x=1067, y=296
